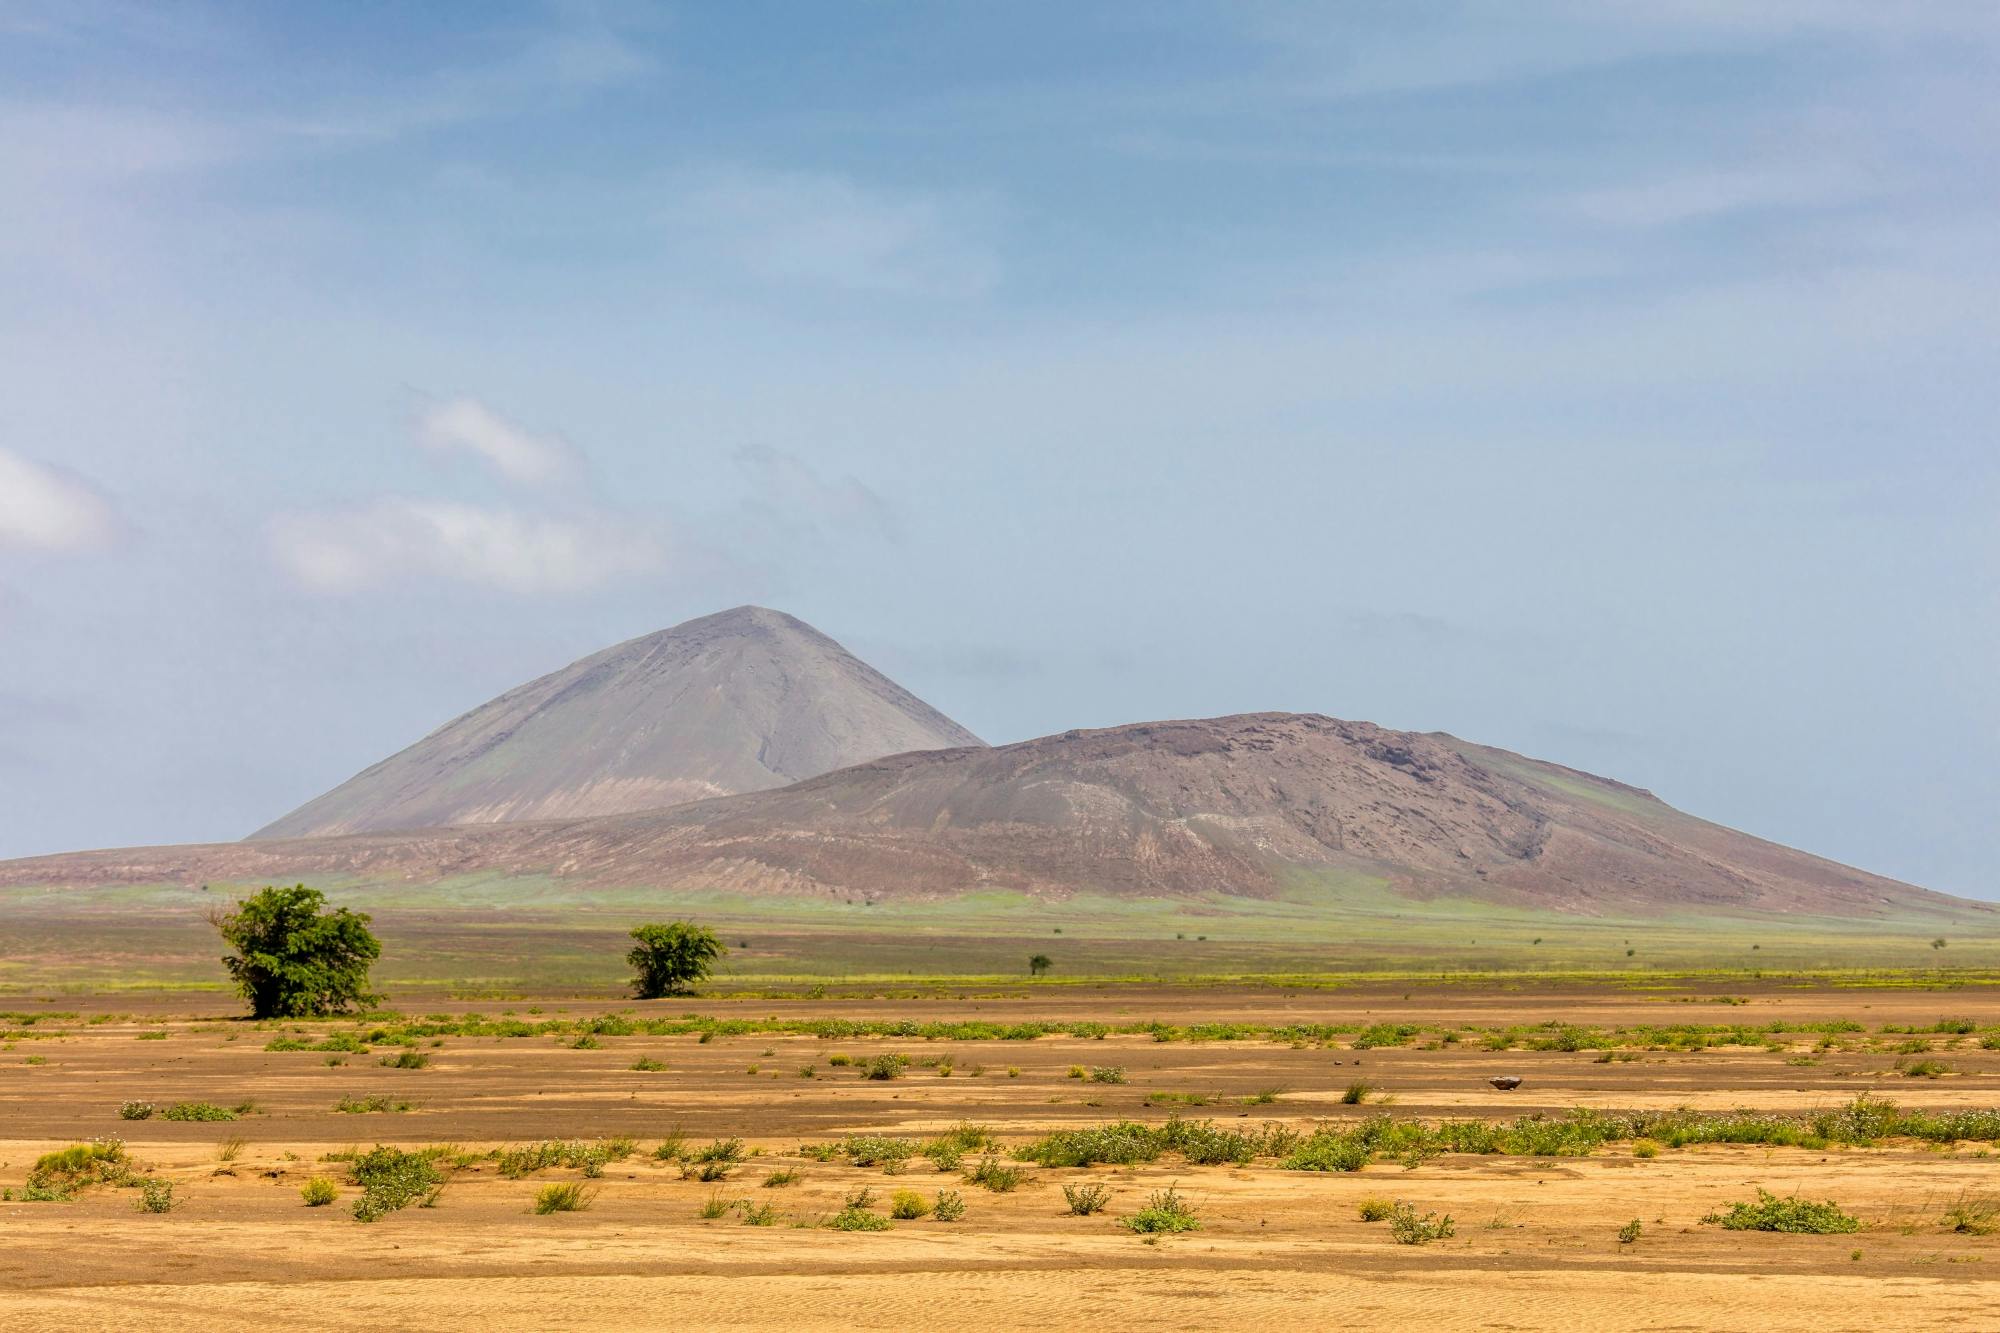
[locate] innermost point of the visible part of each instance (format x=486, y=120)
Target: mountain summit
x=740, y=701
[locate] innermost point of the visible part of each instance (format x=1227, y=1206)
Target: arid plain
x=757, y=1109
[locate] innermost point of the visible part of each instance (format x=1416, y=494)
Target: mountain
x=739, y=701
x=1241, y=806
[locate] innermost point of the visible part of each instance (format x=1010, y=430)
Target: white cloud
x=830, y=231
x=397, y=537
x=465, y=424
x=45, y=508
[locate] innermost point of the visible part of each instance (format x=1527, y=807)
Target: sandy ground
x=1535, y=1246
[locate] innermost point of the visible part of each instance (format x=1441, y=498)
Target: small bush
x=1165, y=1211
x=884, y=1067
x=714, y=1207
x=646, y=1064
x=1925, y=1069
x=854, y=1215
x=1106, y=1074
x=1791, y=1214
x=156, y=1196
x=1375, y=1210
x=319, y=1191
x=407, y=1060
x=763, y=1215
x=950, y=1207
x=908, y=1206
x=392, y=1179
x=135, y=1110
x=56, y=1177
x=197, y=1111
x=1645, y=1148
x=1357, y=1092
x=839, y=1061
x=994, y=1175
x=1084, y=1200
x=561, y=1197
x=1410, y=1229
x=1629, y=1232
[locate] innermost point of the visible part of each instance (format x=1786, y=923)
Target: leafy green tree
x=671, y=957
x=1039, y=964
x=291, y=960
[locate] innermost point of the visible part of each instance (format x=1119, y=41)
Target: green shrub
x=763, y=1215
x=407, y=1060
x=1629, y=1232
x=669, y=958
x=1375, y=1209
x=319, y=1191
x=1410, y=1229
x=156, y=1196
x=391, y=1179
x=884, y=1067
x=1165, y=1211
x=1789, y=1214
x=950, y=1207
x=1106, y=1074
x=1645, y=1148
x=58, y=1176
x=645, y=1064
x=197, y=1111
x=290, y=960
x=1084, y=1200
x=994, y=1175
x=854, y=1215
x=778, y=1179
x=714, y=1207
x=135, y=1110
x=561, y=1197
x=908, y=1206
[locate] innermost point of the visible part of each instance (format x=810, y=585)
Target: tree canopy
x=291, y=960
x=671, y=956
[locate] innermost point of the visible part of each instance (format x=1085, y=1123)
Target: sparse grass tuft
x=1357, y=1092
x=646, y=1064
x=779, y=1179
x=568, y=1196
x=995, y=1175
x=1973, y=1215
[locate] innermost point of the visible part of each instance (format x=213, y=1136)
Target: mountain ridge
x=740, y=700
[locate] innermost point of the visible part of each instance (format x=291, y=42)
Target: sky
x=1610, y=382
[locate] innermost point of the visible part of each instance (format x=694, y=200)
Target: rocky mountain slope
x=1239, y=805
x=739, y=701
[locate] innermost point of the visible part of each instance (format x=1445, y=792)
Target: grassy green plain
x=490, y=930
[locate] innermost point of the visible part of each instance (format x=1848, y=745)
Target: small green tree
x=669, y=958
x=291, y=960
x=1039, y=964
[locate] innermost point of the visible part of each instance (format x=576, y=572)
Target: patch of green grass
x=1790, y=1214
x=364, y=1105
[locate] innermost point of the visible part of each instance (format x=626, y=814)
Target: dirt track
x=1535, y=1245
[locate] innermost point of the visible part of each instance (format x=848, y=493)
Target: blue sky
x=1609, y=382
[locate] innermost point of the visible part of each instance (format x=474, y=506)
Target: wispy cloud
x=395, y=538
x=794, y=493
x=51, y=509
x=467, y=425
x=829, y=230
x=1673, y=199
